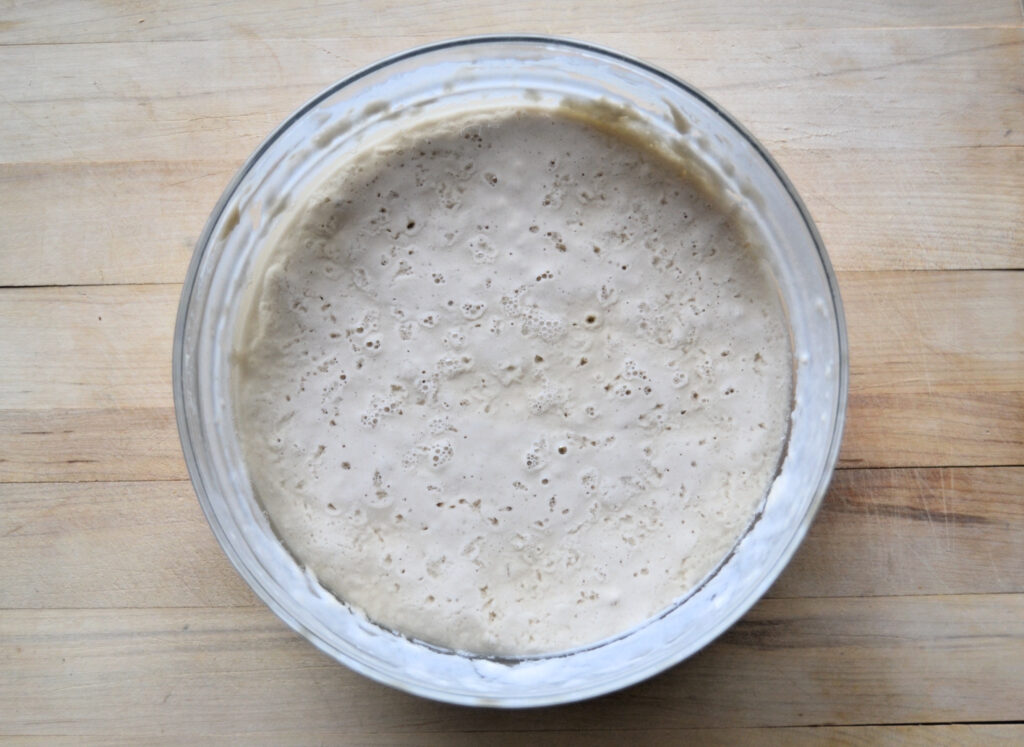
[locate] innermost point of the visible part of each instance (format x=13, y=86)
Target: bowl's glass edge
x=188, y=298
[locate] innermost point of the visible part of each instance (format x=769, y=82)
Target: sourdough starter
x=510, y=384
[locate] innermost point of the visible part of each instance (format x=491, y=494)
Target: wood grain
x=60, y=445
x=901, y=125
x=879, y=533
x=937, y=376
x=88, y=347
x=174, y=101
x=955, y=735
x=110, y=545
x=788, y=663
x=936, y=208
x=913, y=531
x=152, y=215
x=914, y=208
x=59, y=22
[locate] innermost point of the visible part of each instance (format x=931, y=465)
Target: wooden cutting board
x=901, y=618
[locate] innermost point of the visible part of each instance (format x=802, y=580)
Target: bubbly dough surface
x=511, y=385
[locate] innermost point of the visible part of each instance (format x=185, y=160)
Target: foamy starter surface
x=510, y=384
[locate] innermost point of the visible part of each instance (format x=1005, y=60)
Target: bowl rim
x=186, y=428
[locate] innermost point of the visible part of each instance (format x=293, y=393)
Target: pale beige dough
x=511, y=385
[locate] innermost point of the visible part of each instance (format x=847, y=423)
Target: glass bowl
x=425, y=83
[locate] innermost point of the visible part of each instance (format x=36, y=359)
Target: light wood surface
x=900, y=620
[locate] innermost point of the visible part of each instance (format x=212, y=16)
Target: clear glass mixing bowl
x=425, y=83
